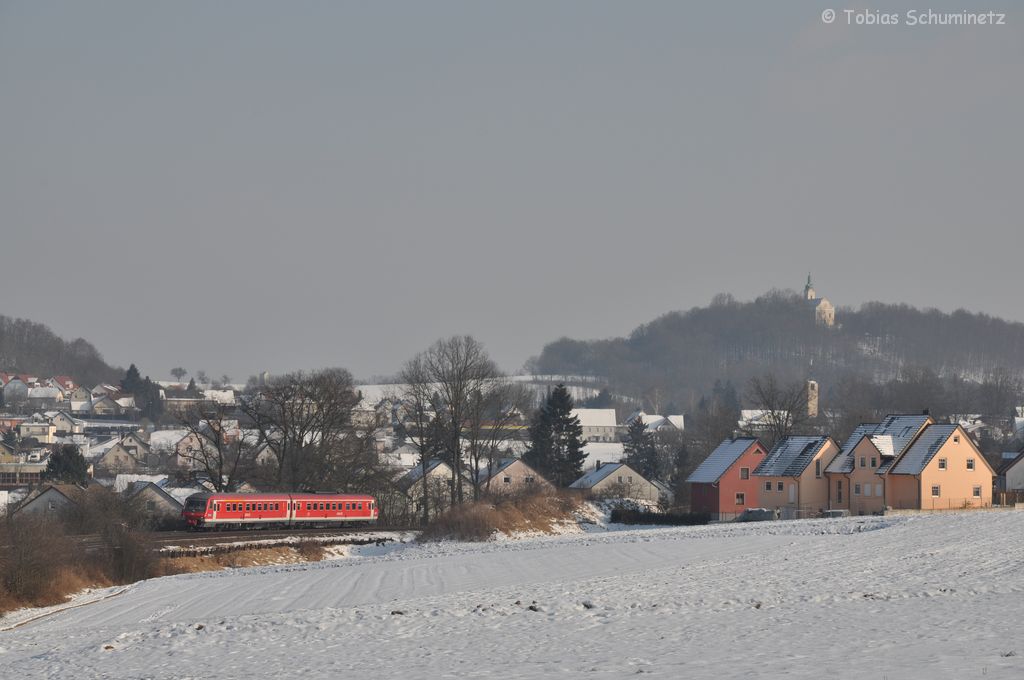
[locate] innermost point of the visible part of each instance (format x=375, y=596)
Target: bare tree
x=417, y=396
x=178, y=373
x=783, y=407
x=218, y=446
x=304, y=420
x=458, y=367
x=490, y=419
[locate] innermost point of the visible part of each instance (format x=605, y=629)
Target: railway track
x=191, y=542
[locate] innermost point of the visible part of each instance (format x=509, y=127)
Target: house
x=65, y=424
x=38, y=428
x=617, y=480
x=599, y=424
x=17, y=470
x=792, y=476
x=130, y=454
x=723, y=485
x=435, y=485
x=857, y=475
x=656, y=423
x=103, y=405
x=65, y=382
x=942, y=470
x=510, y=475
x=52, y=499
x=824, y=311
x=1011, y=473
x=44, y=397
x=405, y=456
x=153, y=501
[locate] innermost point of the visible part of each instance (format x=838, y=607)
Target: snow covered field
x=900, y=597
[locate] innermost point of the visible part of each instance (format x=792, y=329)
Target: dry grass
x=479, y=521
x=306, y=551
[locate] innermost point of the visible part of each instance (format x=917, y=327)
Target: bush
x=621, y=515
x=510, y=513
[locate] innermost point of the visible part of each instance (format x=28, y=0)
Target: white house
x=599, y=424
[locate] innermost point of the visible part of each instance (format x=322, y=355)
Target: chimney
x=926, y=412
x=598, y=465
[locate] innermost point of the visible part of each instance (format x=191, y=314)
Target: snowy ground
x=935, y=596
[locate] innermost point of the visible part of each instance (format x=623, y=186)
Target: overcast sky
x=240, y=186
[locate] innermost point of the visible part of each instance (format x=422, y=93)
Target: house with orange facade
x=792, y=476
x=942, y=470
x=856, y=477
x=909, y=462
x=724, y=485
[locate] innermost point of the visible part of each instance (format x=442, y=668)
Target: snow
x=908, y=597
x=720, y=460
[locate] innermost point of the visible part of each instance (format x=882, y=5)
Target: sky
x=247, y=186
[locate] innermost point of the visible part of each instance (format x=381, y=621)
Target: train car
x=261, y=511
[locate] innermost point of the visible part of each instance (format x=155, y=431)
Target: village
x=904, y=463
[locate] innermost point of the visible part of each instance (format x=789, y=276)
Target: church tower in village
x=824, y=312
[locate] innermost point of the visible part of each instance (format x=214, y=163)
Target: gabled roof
x=138, y=487
x=917, y=457
x=414, y=475
x=721, y=459
x=595, y=477
x=595, y=417
x=1008, y=463
x=791, y=456
x=891, y=437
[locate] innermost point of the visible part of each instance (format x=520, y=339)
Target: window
x=620, y=479
x=778, y=487
x=936, y=490
x=259, y=506
x=744, y=473
x=970, y=463
x=878, y=490
x=862, y=462
x=874, y=462
x=956, y=439
x=977, y=492
x=856, y=489
x=629, y=479
x=248, y=507
x=360, y=506
x=506, y=480
x=817, y=468
x=528, y=480
x=767, y=486
x=740, y=499
x=309, y=506
x=839, y=490
x=348, y=506
x=867, y=489
x=150, y=506
x=942, y=463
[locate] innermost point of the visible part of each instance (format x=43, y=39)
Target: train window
x=360, y=506
x=334, y=506
x=259, y=506
x=348, y=506
x=307, y=506
x=248, y=507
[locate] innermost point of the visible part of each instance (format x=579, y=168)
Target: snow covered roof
x=1010, y=459
x=123, y=481
x=719, y=460
x=923, y=450
x=594, y=477
x=790, y=456
x=482, y=476
x=890, y=437
x=596, y=417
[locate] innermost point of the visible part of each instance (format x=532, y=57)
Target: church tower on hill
x=824, y=312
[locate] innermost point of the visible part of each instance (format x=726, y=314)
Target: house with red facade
x=724, y=484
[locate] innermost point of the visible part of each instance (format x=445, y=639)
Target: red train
x=265, y=510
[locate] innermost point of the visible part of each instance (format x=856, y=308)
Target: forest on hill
x=30, y=347
x=679, y=358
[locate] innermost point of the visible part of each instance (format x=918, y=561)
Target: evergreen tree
x=67, y=464
x=641, y=451
x=132, y=380
x=556, y=446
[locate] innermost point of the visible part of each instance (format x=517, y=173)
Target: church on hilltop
x=824, y=312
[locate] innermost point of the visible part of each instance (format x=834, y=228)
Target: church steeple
x=809, y=293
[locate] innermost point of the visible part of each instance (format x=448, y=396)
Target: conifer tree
x=641, y=450
x=67, y=464
x=556, y=447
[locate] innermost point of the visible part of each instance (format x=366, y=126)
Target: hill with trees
x=30, y=347
x=671, y=363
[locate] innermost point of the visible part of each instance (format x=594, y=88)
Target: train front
x=194, y=511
